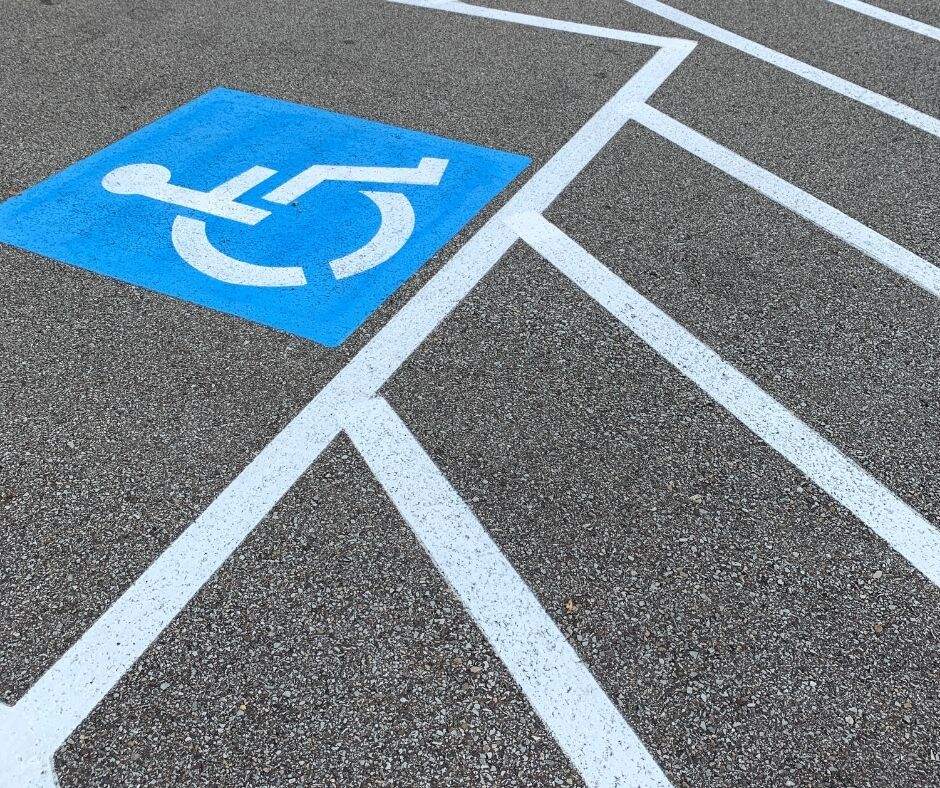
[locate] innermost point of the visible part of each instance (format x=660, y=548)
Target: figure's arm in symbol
x=189, y=235
x=153, y=181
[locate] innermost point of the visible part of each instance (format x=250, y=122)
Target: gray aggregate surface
x=749, y=628
x=328, y=652
x=162, y=402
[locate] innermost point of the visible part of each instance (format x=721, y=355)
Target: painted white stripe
x=836, y=84
x=562, y=691
x=842, y=226
x=71, y=688
x=877, y=507
x=890, y=17
x=32, y=730
x=548, y=23
x=39, y=723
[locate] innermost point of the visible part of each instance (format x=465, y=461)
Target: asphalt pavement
x=749, y=625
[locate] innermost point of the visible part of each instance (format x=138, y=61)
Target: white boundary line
x=877, y=507
x=547, y=23
x=583, y=720
x=836, y=84
x=883, y=15
x=871, y=243
x=851, y=231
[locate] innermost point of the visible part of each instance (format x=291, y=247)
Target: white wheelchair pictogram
x=191, y=241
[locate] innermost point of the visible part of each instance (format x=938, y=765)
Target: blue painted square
x=252, y=248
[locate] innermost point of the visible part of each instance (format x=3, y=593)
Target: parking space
x=753, y=616
x=130, y=412
x=328, y=651
x=847, y=345
x=519, y=526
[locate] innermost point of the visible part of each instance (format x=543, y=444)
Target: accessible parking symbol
x=294, y=217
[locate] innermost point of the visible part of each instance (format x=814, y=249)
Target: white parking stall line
x=590, y=730
x=32, y=729
x=547, y=23
x=836, y=84
x=883, y=15
x=885, y=251
x=904, y=529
